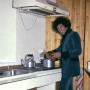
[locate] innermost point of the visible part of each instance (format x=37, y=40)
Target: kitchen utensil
x=48, y=63
x=28, y=61
x=31, y=63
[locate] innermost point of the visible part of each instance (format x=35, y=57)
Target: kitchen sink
x=13, y=72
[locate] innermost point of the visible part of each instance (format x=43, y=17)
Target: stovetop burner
x=38, y=68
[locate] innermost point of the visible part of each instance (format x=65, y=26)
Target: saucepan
x=48, y=63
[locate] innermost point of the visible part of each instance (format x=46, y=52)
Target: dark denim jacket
x=70, y=49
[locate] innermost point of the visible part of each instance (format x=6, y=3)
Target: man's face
x=62, y=29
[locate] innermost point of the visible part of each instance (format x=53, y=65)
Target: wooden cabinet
x=57, y=86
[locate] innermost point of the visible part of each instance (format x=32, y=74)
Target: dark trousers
x=66, y=83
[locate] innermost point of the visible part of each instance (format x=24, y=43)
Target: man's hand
x=56, y=55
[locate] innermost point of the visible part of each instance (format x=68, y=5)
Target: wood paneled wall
x=77, y=17
x=87, y=45
x=80, y=19
x=52, y=38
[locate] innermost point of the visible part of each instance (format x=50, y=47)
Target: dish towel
x=79, y=81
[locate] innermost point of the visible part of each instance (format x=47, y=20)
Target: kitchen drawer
x=48, y=79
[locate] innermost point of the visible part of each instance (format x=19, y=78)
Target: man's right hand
x=56, y=55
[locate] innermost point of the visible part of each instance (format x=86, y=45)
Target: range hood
x=40, y=7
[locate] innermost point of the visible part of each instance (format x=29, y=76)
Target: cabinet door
x=57, y=85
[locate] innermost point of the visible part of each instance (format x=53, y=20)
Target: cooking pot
x=47, y=63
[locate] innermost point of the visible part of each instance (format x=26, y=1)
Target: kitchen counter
x=31, y=80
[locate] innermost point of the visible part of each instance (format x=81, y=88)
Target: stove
x=37, y=68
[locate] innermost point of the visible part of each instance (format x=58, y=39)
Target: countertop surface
x=37, y=73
